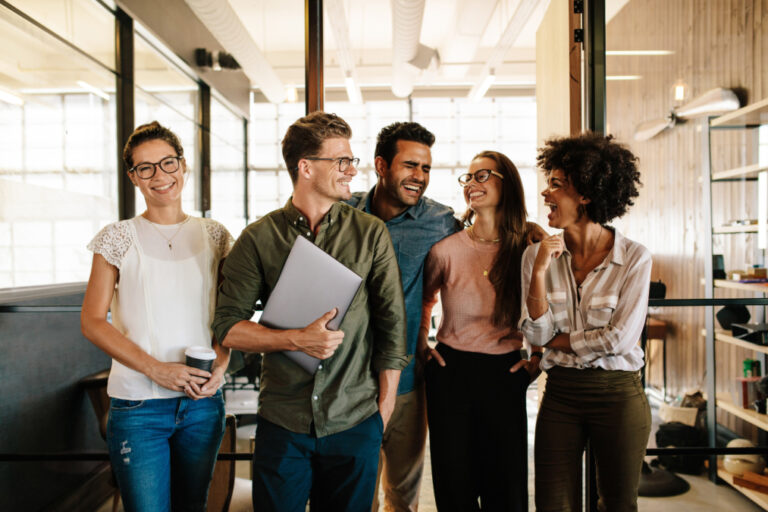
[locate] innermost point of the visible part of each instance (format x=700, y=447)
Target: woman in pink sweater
x=475, y=376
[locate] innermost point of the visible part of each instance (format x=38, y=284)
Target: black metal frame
x=711, y=450
x=126, y=193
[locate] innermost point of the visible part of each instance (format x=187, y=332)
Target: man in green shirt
x=318, y=436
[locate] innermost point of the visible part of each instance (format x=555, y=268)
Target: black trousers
x=477, y=431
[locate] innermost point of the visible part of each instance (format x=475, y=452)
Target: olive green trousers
x=609, y=409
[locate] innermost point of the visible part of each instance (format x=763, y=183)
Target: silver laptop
x=311, y=283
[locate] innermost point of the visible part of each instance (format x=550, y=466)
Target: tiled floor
x=703, y=495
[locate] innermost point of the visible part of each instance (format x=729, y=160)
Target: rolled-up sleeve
x=387, y=306
x=537, y=332
x=620, y=336
x=241, y=286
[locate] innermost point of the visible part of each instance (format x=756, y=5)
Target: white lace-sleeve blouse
x=165, y=296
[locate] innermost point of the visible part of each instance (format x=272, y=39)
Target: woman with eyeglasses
x=476, y=377
x=157, y=274
x=586, y=298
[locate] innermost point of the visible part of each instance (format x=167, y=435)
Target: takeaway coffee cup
x=200, y=357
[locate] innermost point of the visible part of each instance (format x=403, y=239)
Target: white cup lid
x=200, y=353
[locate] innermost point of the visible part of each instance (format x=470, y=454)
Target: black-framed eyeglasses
x=146, y=170
x=480, y=176
x=344, y=161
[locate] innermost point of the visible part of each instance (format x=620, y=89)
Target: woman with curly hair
x=586, y=296
x=476, y=378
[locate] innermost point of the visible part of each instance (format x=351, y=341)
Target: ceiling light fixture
x=477, y=93
x=336, y=14
x=517, y=22
x=291, y=94
x=639, y=52
x=11, y=98
x=93, y=90
x=617, y=78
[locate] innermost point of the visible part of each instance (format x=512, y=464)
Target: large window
x=227, y=167
x=166, y=94
x=57, y=144
x=461, y=128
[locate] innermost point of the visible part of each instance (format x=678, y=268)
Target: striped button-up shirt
x=604, y=315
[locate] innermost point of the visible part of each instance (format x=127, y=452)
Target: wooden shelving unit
x=745, y=287
x=755, y=418
x=724, y=337
x=749, y=171
x=741, y=228
x=748, y=118
x=759, y=498
x=751, y=115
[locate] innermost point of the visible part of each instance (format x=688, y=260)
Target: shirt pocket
x=600, y=310
x=558, y=305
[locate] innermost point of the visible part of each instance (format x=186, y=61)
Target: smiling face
x=162, y=189
x=326, y=179
x=487, y=194
x=406, y=179
x=563, y=200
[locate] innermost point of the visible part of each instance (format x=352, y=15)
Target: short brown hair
x=147, y=132
x=305, y=137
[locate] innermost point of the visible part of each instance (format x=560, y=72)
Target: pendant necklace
x=169, y=240
x=474, y=237
x=589, y=257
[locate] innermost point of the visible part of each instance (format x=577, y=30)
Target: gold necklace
x=471, y=233
x=181, y=225
x=589, y=257
x=475, y=237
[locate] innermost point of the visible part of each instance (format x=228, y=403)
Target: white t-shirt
x=165, y=298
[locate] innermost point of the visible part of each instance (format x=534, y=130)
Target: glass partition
x=227, y=167
x=166, y=94
x=461, y=129
x=57, y=147
x=87, y=24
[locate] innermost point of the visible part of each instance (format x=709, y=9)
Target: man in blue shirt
x=415, y=223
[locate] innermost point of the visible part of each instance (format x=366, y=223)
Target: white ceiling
x=464, y=32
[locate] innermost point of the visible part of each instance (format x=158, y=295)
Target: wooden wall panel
x=552, y=81
x=718, y=43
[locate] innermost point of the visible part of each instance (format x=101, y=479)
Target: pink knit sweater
x=455, y=267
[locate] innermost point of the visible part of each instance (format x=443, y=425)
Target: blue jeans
x=336, y=473
x=163, y=451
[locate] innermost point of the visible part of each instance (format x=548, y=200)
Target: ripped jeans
x=163, y=451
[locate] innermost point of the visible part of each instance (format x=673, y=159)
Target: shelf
x=748, y=415
x=724, y=337
x=758, y=497
x=747, y=287
x=749, y=171
x=741, y=228
x=751, y=115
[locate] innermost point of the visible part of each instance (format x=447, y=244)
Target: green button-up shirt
x=345, y=388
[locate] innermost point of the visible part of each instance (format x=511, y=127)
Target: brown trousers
x=610, y=410
x=401, y=460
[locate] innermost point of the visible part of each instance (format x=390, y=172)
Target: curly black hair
x=386, y=141
x=601, y=170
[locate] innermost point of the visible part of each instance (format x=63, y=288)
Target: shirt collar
x=618, y=252
x=295, y=217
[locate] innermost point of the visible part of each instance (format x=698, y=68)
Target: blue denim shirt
x=413, y=234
